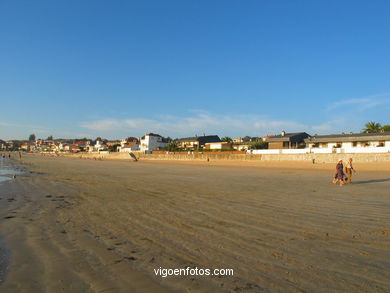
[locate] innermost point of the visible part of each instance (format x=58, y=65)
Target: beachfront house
x=151, y=142
x=42, y=145
x=129, y=147
x=3, y=145
x=112, y=143
x=196, y=142
x=27, y=146
x=241, y=146
x=101, y=145
x=10, y=144
x=82, y=145
x=245, y=139
x=350, y=143
x=67, y=147
x=223, y=145
x=129, y=144
x=287, y=140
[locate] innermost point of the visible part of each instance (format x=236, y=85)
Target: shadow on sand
x=371, y=181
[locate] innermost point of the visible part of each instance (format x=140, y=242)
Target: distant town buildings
x=297, y=142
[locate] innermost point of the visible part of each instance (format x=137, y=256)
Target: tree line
x=374, y=127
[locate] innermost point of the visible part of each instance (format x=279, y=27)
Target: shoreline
x=7, y=170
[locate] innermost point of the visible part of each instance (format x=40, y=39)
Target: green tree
x=50, y=137
x=246, y=138
x=257, y=145
x=173, y=146
x=227, y=139
x=371, y=127
x=114, y=147
x=386, y=127
x=31, y=137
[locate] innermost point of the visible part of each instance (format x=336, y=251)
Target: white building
x=129, y=144
x=99, y=146
x=349, y=143
x=151, y=142
x=129, y=149
x=219, y=145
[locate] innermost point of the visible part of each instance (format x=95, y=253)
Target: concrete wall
x=279, y=151
x=319, y=158
x=201, y=157
x=352, y=150
x=328, y=158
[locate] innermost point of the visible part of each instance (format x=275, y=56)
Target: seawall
x=318, y=158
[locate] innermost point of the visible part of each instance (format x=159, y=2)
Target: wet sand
x=79, y=225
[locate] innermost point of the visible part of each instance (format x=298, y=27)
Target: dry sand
x=78, y=225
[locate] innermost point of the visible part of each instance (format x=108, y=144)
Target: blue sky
x=179, y=68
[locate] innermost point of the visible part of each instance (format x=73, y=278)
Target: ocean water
x=7, y=172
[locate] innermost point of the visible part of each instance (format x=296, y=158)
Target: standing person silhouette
x=348, y=169
x=339, y=175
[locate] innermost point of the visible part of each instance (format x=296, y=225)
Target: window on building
x=381, y=144
x=324, y=144
x=286, y=144
x=354, y=144
x=338, y=145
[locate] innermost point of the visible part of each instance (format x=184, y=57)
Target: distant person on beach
x=20, y=155
x=339, y=174
x=348, y=169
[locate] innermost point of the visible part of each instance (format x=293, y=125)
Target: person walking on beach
x=348, y=169
x=339, y=175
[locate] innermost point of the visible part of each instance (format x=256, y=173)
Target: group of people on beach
x=4, y=155
x=341, y=177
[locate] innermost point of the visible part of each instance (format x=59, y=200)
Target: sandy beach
x=78, y=225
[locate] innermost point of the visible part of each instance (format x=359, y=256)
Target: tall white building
x=151, y=142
